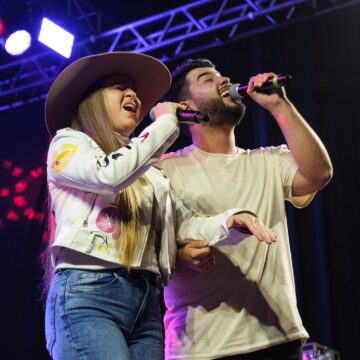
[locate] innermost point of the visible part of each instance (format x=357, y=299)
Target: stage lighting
x=18, y=42
x=2, y=26
x=56, y=38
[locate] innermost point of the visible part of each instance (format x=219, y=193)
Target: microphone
x=278, y=81
x=186, y=116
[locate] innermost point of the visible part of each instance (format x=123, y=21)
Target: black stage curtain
x=323, y=55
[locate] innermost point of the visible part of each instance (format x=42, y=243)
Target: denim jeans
x=104, y=315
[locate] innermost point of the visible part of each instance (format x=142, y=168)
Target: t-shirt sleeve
x=288, y=169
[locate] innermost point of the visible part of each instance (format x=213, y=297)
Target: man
x=244, y=306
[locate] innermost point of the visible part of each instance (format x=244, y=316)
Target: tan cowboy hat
x=151, y=77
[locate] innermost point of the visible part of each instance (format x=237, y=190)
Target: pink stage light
x=17, y=196
x=20, y=201
x=30, y=213
x=17, y=171
x=7, y=164
x=4, y=192
x=21, y=186
x=2, y=26
x=36, y=173
x=12, y=216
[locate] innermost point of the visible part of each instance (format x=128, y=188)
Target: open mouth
x=224, y=93
x=131, y=107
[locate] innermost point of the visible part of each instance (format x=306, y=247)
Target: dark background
x=323, y=56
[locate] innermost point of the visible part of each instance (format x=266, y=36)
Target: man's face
x=209, y=92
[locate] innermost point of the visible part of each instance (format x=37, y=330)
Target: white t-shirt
x=247, y=301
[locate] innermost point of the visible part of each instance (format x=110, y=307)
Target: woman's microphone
x=186, y=116
x=236, y=91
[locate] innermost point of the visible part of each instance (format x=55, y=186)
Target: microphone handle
x=275, y=83
x=186, y=116
x=191, y=116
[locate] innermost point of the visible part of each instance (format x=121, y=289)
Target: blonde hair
x=92, y=118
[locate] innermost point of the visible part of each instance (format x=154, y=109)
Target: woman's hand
x=249, y=223
x=166, y=108
x=198, y=255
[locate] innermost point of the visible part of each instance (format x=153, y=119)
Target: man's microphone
x=236, y=91
x=186, y=116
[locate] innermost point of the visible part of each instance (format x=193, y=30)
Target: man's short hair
x=178, y=90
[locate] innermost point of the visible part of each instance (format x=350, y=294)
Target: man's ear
x=188, y=103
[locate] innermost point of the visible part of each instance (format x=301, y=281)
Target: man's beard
x=219, y=113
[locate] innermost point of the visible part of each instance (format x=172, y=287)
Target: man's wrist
x=283, y=109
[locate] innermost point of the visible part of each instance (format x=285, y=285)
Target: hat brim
x=151, y=77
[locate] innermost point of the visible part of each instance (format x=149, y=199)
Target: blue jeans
x=104, y=315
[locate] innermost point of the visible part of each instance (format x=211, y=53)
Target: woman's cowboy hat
x=151, y=77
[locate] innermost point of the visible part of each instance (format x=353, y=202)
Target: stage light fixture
x=56, y=38
x=18, y=42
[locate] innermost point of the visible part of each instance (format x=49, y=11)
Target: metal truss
x=171, y=34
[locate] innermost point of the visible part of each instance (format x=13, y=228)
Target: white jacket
x=83, y=182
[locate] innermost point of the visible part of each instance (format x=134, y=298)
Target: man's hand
x=313, y=162
x=270, y=99
x=252, y=224
x=198, y=255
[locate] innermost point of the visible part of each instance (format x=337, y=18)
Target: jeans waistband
x=153, y=278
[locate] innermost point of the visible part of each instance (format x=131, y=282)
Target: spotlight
x=18, y=42
x=56, y=38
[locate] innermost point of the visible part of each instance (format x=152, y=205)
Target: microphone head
x=234, y=93
x=151, y=114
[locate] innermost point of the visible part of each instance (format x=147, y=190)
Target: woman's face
x=122, y=105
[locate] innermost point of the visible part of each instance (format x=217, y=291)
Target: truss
x=171, y=34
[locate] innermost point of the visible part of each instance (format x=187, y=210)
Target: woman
x=115, y=217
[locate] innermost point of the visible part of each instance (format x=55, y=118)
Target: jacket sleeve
x=77, y=161
x=191, y=225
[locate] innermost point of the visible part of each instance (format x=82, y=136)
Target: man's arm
x=314, y=165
